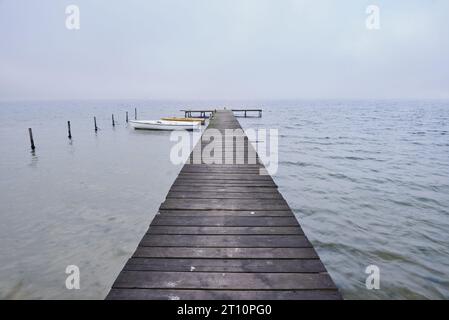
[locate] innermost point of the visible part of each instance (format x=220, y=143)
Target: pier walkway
x=205, y=113
x=224, y=232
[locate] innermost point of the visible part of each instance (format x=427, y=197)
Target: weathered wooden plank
x=222, y=166
x=225, y=221
x=222, y=195
x=225, y=213
x=220, y=189
x=224, y=281
x=224, y=159
x=209, y=149
x=225, y=265
x=225, y=204
x=216, y=176
x=212, y=181
x=221, y=183
x=178, y=230
x=224, y=172
x=227, y=172
x=170, y=294
x=226, y=241
x=219, y=170
x=230, y=149
x=225, y=253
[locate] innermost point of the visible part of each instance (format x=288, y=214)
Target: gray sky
x=224, y=49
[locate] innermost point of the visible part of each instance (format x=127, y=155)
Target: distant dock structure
x=205, y=113
x=224, y=232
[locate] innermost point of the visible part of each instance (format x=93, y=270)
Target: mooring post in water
x=135, y=113
x=126, y=116
x=69, y=130
x=113, y=122
x=95, y=124
x=31, y=139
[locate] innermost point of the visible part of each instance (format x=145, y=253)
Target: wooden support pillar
x=31, y=139
x=69, y=130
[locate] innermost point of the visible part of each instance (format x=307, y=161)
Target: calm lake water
x=368, y=181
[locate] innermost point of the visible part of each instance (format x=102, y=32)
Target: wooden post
x=126, y=116
x=95, y=124
x=135, y=113
x=31, y=139
x=245, y=113
x=113, y=122
x=69, y=130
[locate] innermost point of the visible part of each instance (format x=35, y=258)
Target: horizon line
x=223, y=99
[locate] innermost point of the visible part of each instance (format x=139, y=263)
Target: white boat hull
x=163, y=125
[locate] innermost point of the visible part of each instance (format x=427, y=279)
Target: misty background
x=245, y=49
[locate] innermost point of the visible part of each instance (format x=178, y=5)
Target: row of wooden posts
x=30, y=131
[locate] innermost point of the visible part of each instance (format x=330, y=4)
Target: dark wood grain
x=225, y=253
x=223, y=281
x=223, y=195
x=225, y=189
x=225, y=221
x=226, y=265
x=178, y=230
x=226, y=213
x=225, y=241
x=226, y=204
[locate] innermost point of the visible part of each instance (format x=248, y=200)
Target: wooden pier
x=205, y=113
x=224, y=232
x=197, y=113
x=247, y=112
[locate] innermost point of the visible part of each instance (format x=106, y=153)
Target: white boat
x=164, y=125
